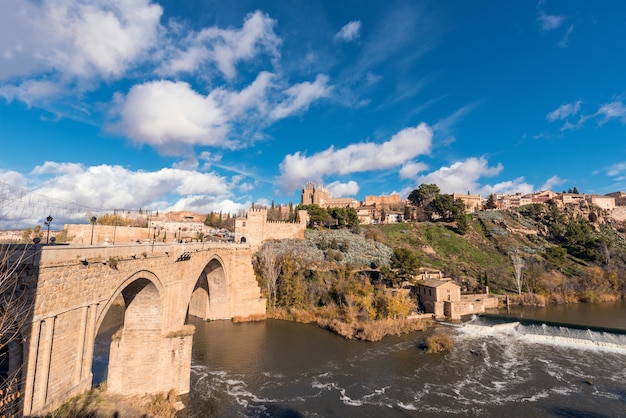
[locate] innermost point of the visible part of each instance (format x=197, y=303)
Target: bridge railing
x=103, y=252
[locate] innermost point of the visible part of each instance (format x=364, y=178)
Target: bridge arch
x=135, y=345
x=130, y=288
x=209, y=295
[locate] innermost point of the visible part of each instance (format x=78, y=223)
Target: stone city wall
x=255, y=228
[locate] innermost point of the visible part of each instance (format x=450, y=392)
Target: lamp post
x=180, y=239
x=47, y=223
x=93, y=223
x=153, y=238
x=115, y=224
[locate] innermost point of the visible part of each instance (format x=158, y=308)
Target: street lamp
x=47, y=223
x=93, y=223
x=179, y=236
x=153, y=238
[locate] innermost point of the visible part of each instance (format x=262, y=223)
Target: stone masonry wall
x=76, y=285
x=255, y=228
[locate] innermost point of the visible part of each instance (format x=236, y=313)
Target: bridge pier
x=146, y=362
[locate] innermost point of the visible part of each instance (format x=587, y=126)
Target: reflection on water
x=277, y=368
x=607, y=315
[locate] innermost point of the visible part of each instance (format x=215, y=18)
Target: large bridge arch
x=125, y=287
x=209, y=295
x=140, y=340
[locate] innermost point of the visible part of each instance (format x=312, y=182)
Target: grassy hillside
x=568, y=254
x=348, y=280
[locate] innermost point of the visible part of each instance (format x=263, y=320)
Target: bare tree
x=518, y=265
x=15, y=306
x=270, y=266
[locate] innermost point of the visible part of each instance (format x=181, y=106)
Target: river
x=497, y=368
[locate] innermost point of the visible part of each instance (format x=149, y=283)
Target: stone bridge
x=73, y=287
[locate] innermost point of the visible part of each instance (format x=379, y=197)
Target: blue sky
x=213, y=105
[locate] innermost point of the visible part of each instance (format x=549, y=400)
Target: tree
x=447, y=208
x=393, y=305
x=423, y=194
x=491, y=202
x=108, y=219
x=343, y=217
x=317, y=214
x=352, y=217
x=407, y=213
x=459, y=207
x=405, y=262
x=15, y=307
x=270, y=266
x=518, y=265
x=462, y=223
x=575, y=190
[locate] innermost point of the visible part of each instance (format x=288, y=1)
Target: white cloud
x=206, y=204
x=616, y=169
x=68, y=190
x=246, y=187
x=462, y=176
x=615, y=109
x=410, y=169
x=10, y=178
x=517, y=185
x=550, y=22
x=75, y=39
x=349, y=32
x=339, y=189
x=568, y=126
x=170, y=115
x=107, y=186
x=563, y=43
x=224, y=48
x=253, y=97
x=31, y=91
x=296, y=169
x=564, y=111
x=444, y=127
x=300, y=97
x=173, y=118
x=551, y=183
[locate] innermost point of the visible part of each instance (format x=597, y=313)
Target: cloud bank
x=401, y=148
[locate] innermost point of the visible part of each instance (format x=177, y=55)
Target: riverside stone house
x=442, y=298
x=433, y=295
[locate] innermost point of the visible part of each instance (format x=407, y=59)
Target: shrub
x=439, y=343
x=112, y=263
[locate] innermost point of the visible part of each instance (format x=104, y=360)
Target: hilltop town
x=535, y=225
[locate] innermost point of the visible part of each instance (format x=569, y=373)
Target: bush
x=439, y=343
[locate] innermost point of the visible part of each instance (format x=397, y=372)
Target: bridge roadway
x=71, y=289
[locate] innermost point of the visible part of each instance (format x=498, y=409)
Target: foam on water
x=560, y=336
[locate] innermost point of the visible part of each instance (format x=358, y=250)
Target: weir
x=550, y=332
x=530, y=321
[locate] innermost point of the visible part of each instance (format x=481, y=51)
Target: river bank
x=98, y=403
x=368, y=330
